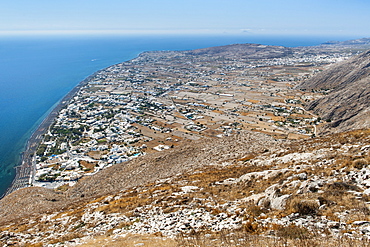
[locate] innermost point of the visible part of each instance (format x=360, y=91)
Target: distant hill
x=250, y=51
x=346, y=106
x=354, y=42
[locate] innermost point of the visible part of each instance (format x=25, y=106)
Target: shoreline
x=25, y=170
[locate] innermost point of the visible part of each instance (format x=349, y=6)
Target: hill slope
x=140, y=171
x=347, y=105
x=302, y=189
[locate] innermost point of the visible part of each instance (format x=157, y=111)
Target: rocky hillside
x=300, y=192
x=346, y=105
x=143, y=170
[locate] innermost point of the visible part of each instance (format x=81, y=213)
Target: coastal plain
x=209, y=147
x=159, y=99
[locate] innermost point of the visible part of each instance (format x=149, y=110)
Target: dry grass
x=124, y=205
x=66, y=237
x=63, y=188
x=35, y=245
x=162, y=194
x=89, y=166
x=131, y=240
x=280, y=237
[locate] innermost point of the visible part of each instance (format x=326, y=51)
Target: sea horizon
x=38, y=71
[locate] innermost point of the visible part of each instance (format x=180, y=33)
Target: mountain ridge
x=346, y=105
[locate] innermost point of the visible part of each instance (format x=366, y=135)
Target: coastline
x=25, y=170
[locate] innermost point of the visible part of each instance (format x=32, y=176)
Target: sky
x=299, y=17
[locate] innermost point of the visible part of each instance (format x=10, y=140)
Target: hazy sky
x=312, y=17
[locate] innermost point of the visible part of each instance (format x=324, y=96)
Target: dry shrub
x=338, y=199
x=342, y=162
x=66, y=237
x=360, y=134
x=255, y=211
x=360, y=163
x=124, y=204
x=342, y=186
x=292, y=232
x=36, y=245
x=360, y=213
x=63, y=188
x=342, y=139
x=194, y=239
x=326, y=201
x=250, y=226
x=303, y=206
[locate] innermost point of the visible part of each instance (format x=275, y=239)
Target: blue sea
x=37, y=71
